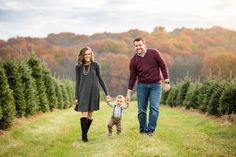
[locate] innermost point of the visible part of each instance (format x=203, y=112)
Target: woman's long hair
x=80, y=59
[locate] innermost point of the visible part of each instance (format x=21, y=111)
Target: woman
x=87, y=92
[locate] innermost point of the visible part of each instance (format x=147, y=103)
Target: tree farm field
x=179, y=133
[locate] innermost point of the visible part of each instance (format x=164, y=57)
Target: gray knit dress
x=87, y=90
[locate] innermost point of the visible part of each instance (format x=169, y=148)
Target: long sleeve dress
x=87, y=90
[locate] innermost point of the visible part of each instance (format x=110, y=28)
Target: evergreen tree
x=164, y=97
x=205, y=93
x=193, y=100
x=60, y=104
x=7, y=103
x=183, y=91
x=65, y=95
x=172, y=96
x=214, y=103
x=37, y=73
x=189, y=95
x=69, y=93
x=228, y=99
x=15, y=84
x=175, y=94
x=0, y=112
x=29, y=89
x=50, y=89
x=70, y=90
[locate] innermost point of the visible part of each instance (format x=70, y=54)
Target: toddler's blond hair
x=120, y=97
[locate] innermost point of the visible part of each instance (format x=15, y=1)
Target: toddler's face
x=119, y=102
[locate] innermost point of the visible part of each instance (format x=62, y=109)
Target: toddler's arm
x=110, y=103
x=125, y=106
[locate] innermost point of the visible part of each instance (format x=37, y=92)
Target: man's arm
x=164, y=71
x=127, y=99
x=132, y=80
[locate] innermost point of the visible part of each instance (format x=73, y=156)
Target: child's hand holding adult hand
x=108, y=98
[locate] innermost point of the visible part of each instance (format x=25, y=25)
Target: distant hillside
x=199, y=52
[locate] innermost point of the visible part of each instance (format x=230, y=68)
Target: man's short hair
x=138, y=39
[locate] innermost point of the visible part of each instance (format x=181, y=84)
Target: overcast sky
x=37, y=18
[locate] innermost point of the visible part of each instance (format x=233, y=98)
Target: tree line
x=197, y=51
x=214, y=96
x=27, y=87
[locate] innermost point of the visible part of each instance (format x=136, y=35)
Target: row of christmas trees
x=27, y=87
x=214, y=95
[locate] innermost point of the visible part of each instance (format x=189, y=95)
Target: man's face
x=139, y=47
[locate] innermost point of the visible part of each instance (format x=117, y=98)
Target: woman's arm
x=77, y=81
x=100, y=79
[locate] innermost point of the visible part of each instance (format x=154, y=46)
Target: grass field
x=179, y=134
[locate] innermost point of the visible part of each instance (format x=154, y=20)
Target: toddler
x=117, y=109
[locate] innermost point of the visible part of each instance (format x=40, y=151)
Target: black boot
x=89, y=123
x=84, y=125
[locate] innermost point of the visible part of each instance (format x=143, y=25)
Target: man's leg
x=155, y=97
x=142, y=95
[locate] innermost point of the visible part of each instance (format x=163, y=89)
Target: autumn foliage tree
x=185, y=50
x=220, y=64
x=115, y=72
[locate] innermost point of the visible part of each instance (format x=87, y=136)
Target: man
x=146, y=65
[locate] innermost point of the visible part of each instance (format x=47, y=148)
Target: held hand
x=127, y=99
x=76, y=101
x=108, y=98
x=166, y=87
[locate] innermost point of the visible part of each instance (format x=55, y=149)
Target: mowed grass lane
x=179, y=134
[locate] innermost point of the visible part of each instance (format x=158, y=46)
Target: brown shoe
x=150, y=133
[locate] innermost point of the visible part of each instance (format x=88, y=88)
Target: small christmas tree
x=7, y=103
x=60, y=104
x=65, y=95
x=37, y=73
x=183, y=91
x=214, y=103
x=15, y=85
x=50, y=89
x=228, y=99
x=29, y=89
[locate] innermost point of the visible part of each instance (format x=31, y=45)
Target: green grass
x=179, y=134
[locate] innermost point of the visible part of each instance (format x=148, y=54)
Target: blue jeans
x=153, y=93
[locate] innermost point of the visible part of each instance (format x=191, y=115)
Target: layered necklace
x=84, y=69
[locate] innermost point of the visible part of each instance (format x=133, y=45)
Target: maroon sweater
x=147, y=68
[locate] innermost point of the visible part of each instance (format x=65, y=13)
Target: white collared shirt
x=143, y=53
x=117, y=110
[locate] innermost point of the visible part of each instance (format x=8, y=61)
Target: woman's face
x=87, y=56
